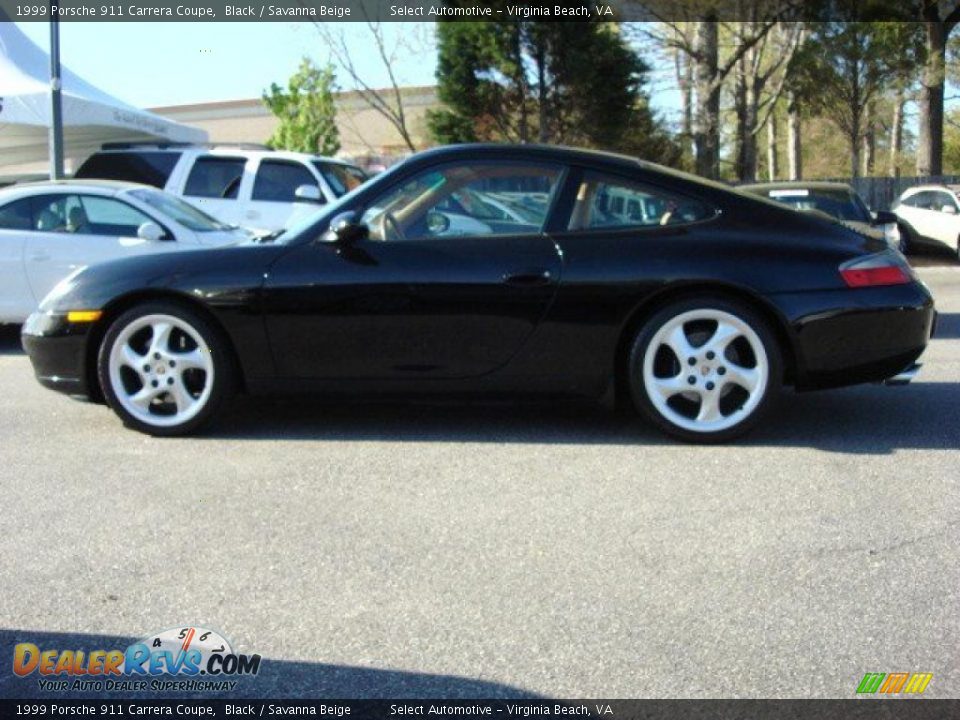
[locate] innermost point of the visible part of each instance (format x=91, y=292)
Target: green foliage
x=306, y=111
x=575, y=83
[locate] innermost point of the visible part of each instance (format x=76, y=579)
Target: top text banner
x=439, y=10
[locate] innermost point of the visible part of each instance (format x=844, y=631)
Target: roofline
x=257, y=102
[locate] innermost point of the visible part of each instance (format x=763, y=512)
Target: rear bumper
x=847, y=337
x=58, y=352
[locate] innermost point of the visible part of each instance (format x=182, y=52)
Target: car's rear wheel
x=164, y=369
x=705, y=369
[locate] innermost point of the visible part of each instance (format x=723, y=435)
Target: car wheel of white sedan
x=705, y=369
x=164, y=369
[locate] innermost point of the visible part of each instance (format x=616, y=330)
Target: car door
x=16, y=299
x=945, y=225
x=75, y=229
x=214, y=184
x=411, y=301
x=273, y=199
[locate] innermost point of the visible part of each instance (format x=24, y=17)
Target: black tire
x=223, y=367
x=765, y=399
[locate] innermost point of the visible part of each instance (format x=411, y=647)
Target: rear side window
x=278, y=181
x=145, y=167
x=16, y=215
x=605, y=201
x=215, y=177
x=341, y=178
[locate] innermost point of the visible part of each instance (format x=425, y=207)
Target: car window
x=145, y=167
x=215, y=177
x=57, y=213
x=106, y=216
x=16, y=215
x=840, y=204
x=341, y=178
x=183, y=212
x=609, y=202
x=460, y=201
x=277, y=181
x=944, y=199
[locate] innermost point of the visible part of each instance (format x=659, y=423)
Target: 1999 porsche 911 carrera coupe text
x=498, y=270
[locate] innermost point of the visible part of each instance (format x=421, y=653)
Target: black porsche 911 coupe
x=504, y=271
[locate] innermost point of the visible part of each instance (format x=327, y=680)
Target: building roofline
x=257, y=102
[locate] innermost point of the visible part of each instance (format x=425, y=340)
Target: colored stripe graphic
x=870, y=682
x=918, y=682
x=894, y=682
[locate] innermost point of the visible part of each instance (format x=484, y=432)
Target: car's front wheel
x=705, y=369
x=164, y=369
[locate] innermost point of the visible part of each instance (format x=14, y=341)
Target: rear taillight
x=885, y=268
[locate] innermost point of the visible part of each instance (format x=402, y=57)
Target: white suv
x=247, y=185
x=930, y=214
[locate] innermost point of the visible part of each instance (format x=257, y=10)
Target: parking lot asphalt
x=414, y=550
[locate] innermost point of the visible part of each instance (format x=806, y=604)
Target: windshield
x=341, y=178
x=836, y=203
x=180, y=211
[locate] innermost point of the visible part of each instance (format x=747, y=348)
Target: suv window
x=278, y=180
x=454, y=201
x=609, y=202
x=341, y=178
x=215, y=177
x=145, y=167
x=16, y=215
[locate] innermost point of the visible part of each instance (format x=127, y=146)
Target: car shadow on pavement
x=10, y=340
x=867, y=419
x=276, y=679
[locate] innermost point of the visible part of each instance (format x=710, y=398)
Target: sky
x=153, y=64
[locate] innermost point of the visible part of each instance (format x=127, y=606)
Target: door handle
x=528, y=278
x=40, y=257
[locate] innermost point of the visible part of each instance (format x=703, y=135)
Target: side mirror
x=884, y=217
x=307, y=193
x=345, y=229
x=949, y=209
x=437, y=222
x=151, y=232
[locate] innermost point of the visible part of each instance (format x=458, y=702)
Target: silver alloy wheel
x=161, y=370
x=717, y=377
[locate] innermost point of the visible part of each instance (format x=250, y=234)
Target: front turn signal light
x=84, y=316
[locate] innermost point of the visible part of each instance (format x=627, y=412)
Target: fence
x=880, y=192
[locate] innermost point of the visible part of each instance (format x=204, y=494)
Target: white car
x=265, y=190
x=49, y=229
x=930, y=215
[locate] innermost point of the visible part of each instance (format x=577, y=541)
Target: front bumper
x=58, y=352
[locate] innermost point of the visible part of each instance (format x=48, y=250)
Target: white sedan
x=49, y=229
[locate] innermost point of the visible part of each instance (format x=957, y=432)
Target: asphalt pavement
x=416, y=550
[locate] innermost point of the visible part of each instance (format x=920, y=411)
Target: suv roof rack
x=172, y=145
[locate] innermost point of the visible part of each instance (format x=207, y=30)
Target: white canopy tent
x=91, y=117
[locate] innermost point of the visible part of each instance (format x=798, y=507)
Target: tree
x=387, y=102
x=939, y=19
x=528, y=81
x=844, y=67
x=698, y=38
x=306, y=111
